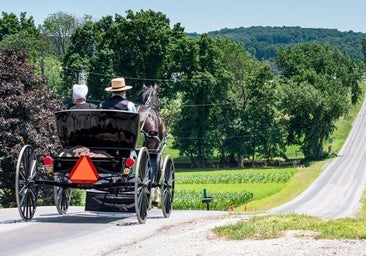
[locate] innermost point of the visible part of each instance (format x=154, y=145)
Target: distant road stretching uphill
x=338, y=190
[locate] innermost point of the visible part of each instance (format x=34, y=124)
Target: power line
x=171, y=80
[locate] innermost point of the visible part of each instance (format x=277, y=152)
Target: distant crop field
x=228, y=188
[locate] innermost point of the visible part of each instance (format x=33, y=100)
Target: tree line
x=264, y=42
x=216, y=98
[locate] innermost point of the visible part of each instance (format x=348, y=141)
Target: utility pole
x=81, y=77
x=42, y=69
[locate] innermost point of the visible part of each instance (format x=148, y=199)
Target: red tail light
x=130, y=162
x=47, y=160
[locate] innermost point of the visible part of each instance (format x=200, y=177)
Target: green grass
x=272, y=226
x=298, y=183
x=268, y=227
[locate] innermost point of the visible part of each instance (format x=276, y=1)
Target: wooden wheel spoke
x=62, y=199
x=25, y=188
x=167, y=186
x=143, y=176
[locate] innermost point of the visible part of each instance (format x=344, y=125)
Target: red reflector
x=84, y=171
x=130, y=162
x=47, y=160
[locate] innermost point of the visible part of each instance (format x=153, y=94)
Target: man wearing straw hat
x=118, y=99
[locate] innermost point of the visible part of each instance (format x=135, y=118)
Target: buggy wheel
x=167, y=186
x=62, y=198
x=143, y=173
x=26, y=190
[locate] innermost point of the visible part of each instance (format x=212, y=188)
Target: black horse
x=151, y=124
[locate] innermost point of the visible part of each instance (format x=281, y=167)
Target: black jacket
x=115, y=102
x=81, y=106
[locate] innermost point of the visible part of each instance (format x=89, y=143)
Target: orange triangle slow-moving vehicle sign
x=84, y=171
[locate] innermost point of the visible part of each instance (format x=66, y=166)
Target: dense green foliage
x=320, y=85
x=58, y=28
x=136, y=47
x=21, y=34
x=263, y=42
x=26, y=117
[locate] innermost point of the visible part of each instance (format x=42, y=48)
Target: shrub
x=26, y=117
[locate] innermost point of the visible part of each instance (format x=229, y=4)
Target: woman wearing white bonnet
x=79, y=92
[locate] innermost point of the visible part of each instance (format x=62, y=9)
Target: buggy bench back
x=98, y=128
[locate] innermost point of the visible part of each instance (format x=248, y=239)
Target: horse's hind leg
x=162, y=130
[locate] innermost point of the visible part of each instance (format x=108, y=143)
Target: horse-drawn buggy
x=105, y=153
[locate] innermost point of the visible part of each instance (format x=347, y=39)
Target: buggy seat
x=98, y=128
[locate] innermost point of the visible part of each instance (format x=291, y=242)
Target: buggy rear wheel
x=143, y=175
x=26, y=190
x=167, y=186
x=62, y=198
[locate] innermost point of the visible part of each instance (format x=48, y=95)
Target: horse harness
x=154, y=134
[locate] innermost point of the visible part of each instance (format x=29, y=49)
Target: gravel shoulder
x=195, y=238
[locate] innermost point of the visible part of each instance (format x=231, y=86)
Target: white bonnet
x=79, y=91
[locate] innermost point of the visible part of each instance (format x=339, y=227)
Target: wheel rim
x=62, y=199
x=142, y=185
x=167, y=186
x=26, y=191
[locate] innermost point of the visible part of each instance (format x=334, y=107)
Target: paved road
x=87, y=233
x=339, y=188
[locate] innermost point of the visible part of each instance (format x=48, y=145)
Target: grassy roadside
x=272, y=226
x=298, y=183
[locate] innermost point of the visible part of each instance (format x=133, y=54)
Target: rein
x=148, y=101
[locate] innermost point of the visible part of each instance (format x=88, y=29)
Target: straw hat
x=118, y=84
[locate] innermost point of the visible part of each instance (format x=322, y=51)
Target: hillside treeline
x=217, y=100
x=263, y=42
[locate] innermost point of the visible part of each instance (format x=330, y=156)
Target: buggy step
x=109, y=202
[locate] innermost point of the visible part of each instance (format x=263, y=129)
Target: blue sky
x=208, y=15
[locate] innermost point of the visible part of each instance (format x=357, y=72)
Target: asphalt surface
x=86, y=233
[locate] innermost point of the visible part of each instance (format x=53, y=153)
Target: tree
x=79, y=56
x=21, y=34
x=143, y=46
x=364, y=49
x=250, y=125
x=50, y=69
x=204, y=90
x=58, y=28
x=10, y=24
x=21, y=41
x=135, y=47
x=321, y=85
x=26, y=116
